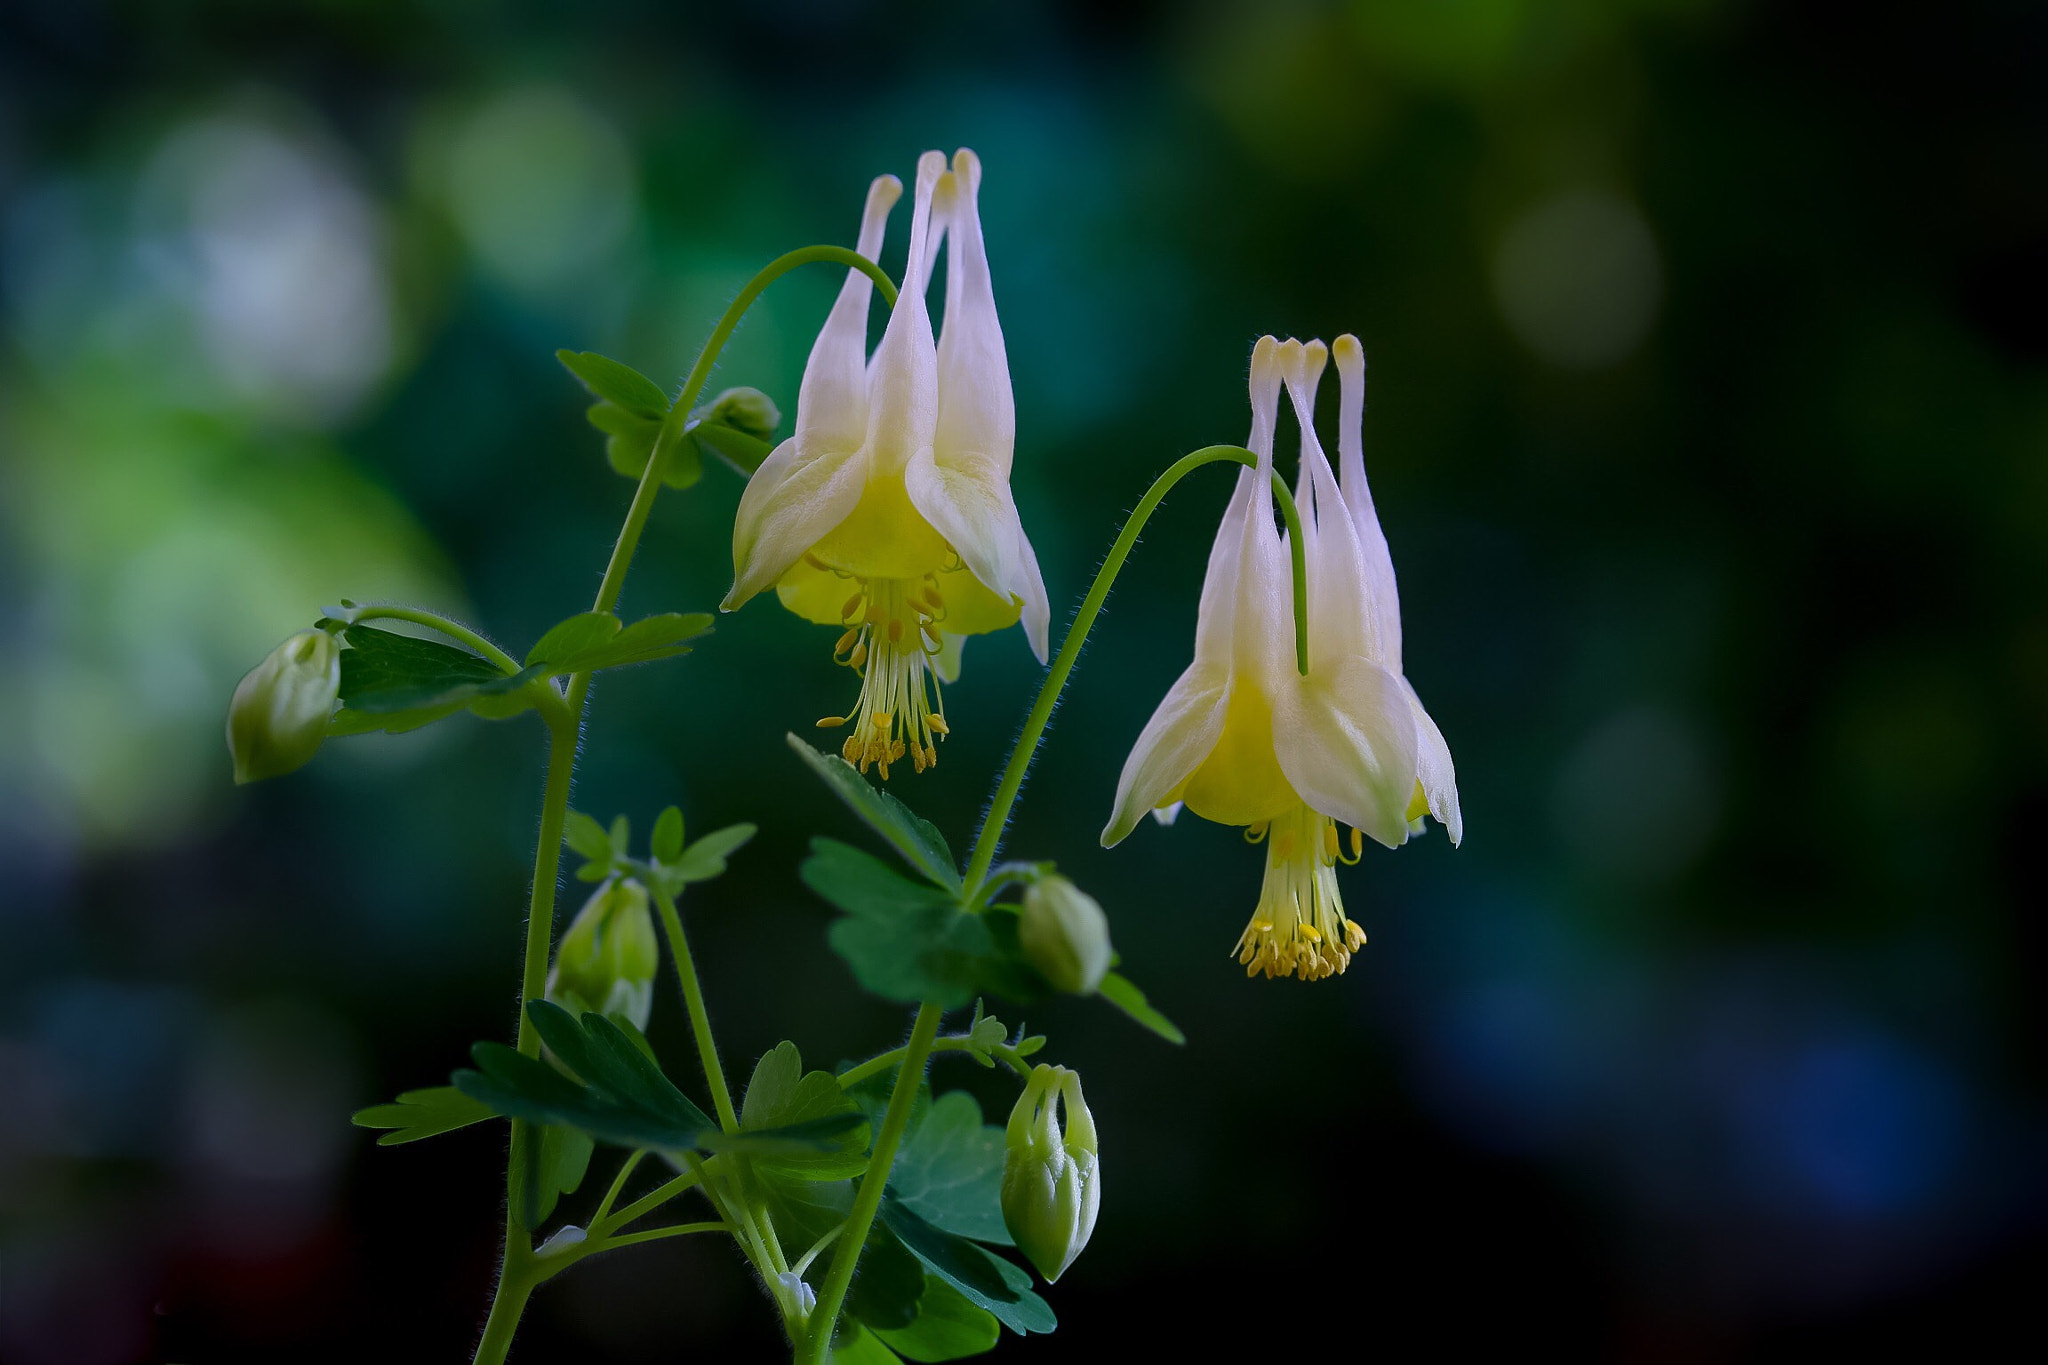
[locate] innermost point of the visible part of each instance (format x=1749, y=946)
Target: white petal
x=903, y=378
x=1260, y=615
x=790, y=503
x=1433, y=768
x=1337, y=592
x=1183, y=730
x=1346, y=740
x=832, y=404
x=1382, y=594
x=964, y=490
x=1166, y=815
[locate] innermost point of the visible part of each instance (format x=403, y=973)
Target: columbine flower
x=1243, y=738
x=888, y=513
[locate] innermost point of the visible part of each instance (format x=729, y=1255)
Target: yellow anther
x=831, y=722
x=896, y=632
x=847, y=641
x=1310, y=932
x=939, y=726
x=846, y=613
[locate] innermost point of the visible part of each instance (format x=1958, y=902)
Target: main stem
x=998, y=817
x=846, y=1255
x=515, y=1273
x=516, y=1278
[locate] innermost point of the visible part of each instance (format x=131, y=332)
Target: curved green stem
x=818, y=1338
x=998, y=817
x=693, y=998
x=655, y=1234
x=952, y=1042
x=679, y=413
x=648, y=1202
x=454, y=630
x=611, y=1196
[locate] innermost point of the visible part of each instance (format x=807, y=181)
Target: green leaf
x=948, y=1327
x=950, y=1171
x=705, y=859
x=781, y=1095
x=629, y=445
x=989, y=1282
x=1118, y=990
x=398, y=682
x=905, y=941
x=579, y=634
x=420, y=1114
x=856, y=1345
x=666, y=843
x=595, y=640
x=582, y=833
x=616, y=383
x=887, y=1284
x=618, y=1095
x=803, y=1210
x=741, y=450
x=914, y=837
x=562, y=1156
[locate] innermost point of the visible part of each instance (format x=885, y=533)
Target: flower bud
x=1052, y=1184
x=745, y=410
x=1065, y=935
x=281, y=707
x=607, y=960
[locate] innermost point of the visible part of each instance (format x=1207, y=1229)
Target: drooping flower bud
x=281, y=707
x=1065, y=935
x=1052, y=1182
x=745, y=410
x=607, y=960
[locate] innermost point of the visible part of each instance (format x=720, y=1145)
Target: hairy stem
x=817, y=1341
x=515, y=1277
x=693, y=998
x=998, y=817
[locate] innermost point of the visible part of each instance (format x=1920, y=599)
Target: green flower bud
x=281, y=708
x=607, y=960
x=1052, y=1185
x=1065, y=935
x=746, y=410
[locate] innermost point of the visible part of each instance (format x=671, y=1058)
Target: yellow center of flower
x=1299, y=928
x=891, y=633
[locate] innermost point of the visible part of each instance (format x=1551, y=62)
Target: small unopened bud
x=747, y=410
x=1052, y=1182
x=608, y=959
x=1065, y=935
x=281, y=708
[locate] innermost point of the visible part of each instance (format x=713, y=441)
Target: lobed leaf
x=418, y=1114
x=948, y=1326
x=617, y=383
x=950, y=1171
x=989, y=1282
x=904, y=941
x=1119, y=990
x=916, y=838
x=781, y=1096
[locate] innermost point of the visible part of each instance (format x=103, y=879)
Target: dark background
x=1709, y=425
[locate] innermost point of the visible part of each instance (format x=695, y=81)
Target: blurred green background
x=1709, y=425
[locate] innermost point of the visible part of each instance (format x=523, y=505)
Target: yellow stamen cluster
x=1299, y=928
x=891, y=633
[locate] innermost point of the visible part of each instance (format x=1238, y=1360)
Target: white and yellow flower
x=888, y=512
x=1244, y=738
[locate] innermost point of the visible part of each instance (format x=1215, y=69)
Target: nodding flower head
x=888, y=513
x=1243, y=738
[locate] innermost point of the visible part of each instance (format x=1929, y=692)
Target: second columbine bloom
x=1244, y=738
x=888, y=512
